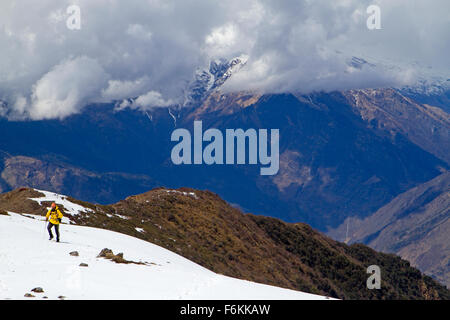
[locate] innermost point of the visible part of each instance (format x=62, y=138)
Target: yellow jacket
x=54, y=215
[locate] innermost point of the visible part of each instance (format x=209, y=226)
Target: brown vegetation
x=202, y=227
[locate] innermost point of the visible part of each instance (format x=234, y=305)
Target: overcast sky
x=151, y=48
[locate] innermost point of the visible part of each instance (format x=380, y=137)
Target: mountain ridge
x=414, y=225
x=202, y=227
x=338, y=164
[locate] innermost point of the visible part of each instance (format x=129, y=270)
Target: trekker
x=55, y=216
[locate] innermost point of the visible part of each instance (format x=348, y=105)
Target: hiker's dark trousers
x=49, y=228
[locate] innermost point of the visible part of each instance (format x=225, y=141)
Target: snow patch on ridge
x=69, y=207
x=189, y=194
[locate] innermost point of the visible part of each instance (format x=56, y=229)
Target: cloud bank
x=149, y=50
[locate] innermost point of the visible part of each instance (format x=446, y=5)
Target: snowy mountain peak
x=425, y=79
x=207, y=80
x=358, y=63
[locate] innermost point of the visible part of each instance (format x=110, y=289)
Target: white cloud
x=118, y=89
x=139, y=31
x=148, y=50
x=221, y=39
x=65, y=89
x=151, y=99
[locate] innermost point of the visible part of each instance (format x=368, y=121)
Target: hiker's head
x=53, y=205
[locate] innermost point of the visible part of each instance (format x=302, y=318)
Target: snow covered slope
x=28, y=260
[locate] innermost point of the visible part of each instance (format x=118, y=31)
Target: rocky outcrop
x=117, y=258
